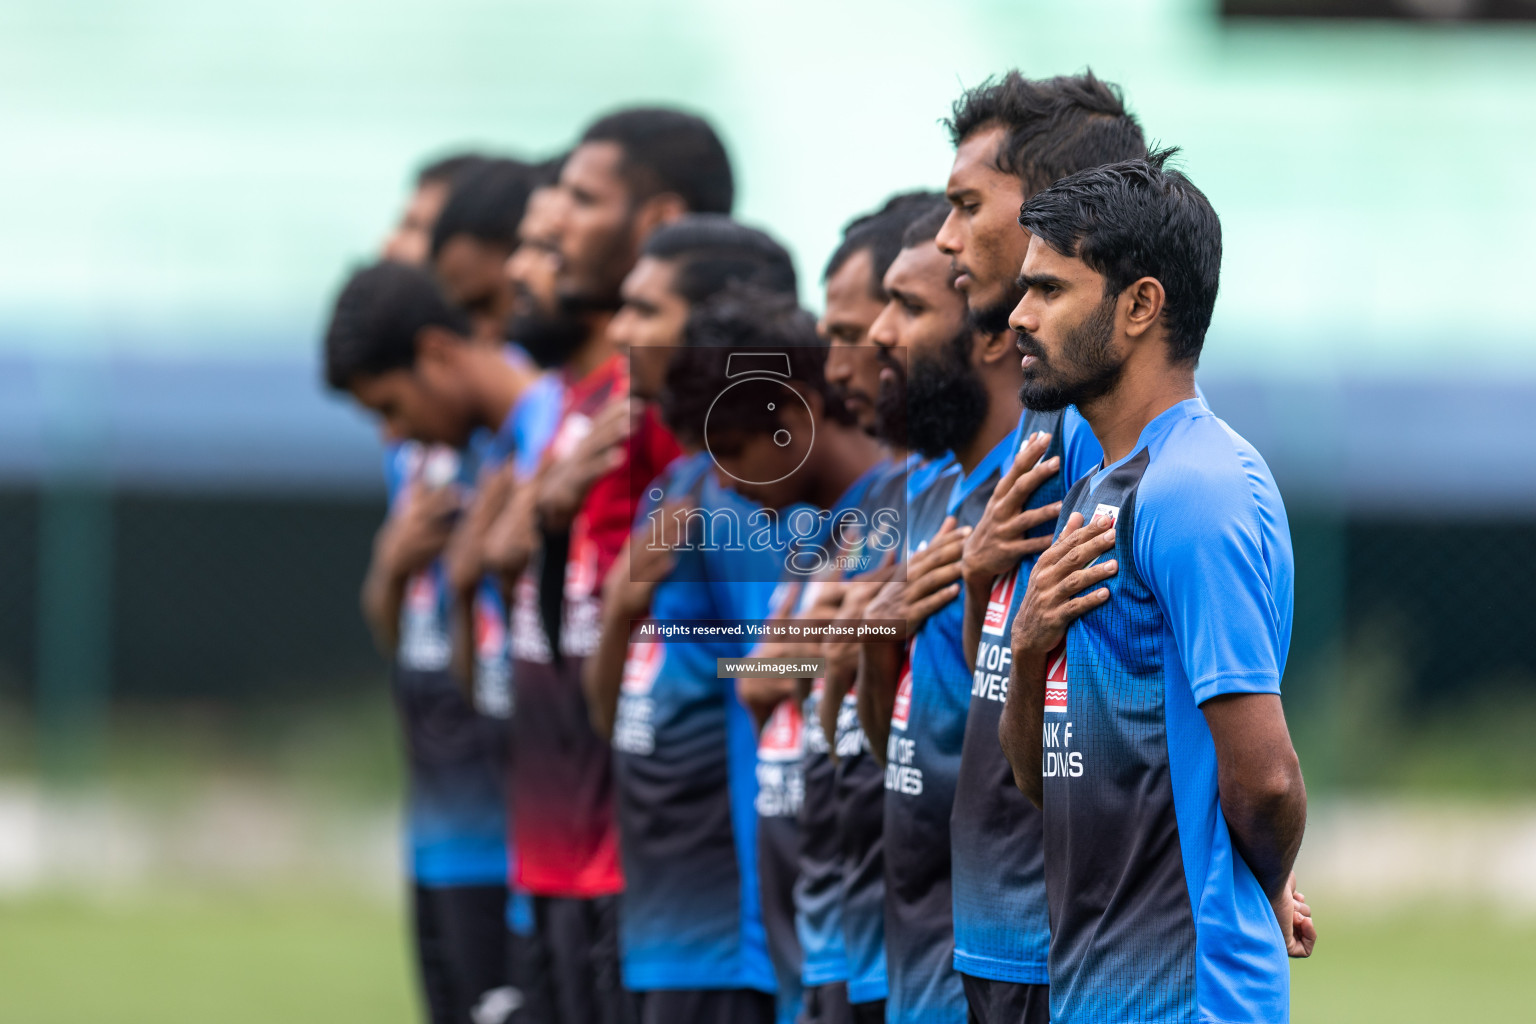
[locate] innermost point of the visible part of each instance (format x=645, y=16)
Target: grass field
x=298, y=958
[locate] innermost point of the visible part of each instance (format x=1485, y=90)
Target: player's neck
x=1002, y=416
x=843, y=455
x=498, y=384
x=1118, y=418
x=593, y=352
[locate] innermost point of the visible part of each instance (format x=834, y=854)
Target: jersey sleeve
x=1203, y=542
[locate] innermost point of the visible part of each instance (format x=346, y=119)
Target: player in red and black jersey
x=632, y=172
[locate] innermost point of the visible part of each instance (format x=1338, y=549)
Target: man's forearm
x=1267, y=822
x=603, y=674
x=461, y=626
x=1023, y=719
x=382, y=597
x=976, y=596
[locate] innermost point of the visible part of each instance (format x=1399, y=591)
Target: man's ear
x=437, y=345
x=991, y=349
x=1141, y=305
x=662, y=208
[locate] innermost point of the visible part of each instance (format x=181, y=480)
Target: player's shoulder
x=1196, y=458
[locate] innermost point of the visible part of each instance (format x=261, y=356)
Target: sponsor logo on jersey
x=1103, y=511
x=642, y=666
x=997, y=605
x=1056, y=679
x=780, y=780
x=634, y=726
x=421, y=594
x=573, y=429
x=781, y=736
x=902, y=711
x=490, y=632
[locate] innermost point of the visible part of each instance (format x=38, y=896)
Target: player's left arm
x=1215, y=548
x=1263, y=799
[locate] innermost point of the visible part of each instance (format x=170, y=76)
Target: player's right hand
x=1295, y=920
x=418, y=530
x=931, y=582
x=1051, y=602
x=999, y=541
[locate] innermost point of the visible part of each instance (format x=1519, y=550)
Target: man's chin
x=990, y=317
x=1038, y=397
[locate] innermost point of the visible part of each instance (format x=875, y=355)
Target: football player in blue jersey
x=1012, y=136
x=786, y=440
x=456, y=817
x=872, y=384
x=961, y=400
x=1143, y=715
x=692, y=940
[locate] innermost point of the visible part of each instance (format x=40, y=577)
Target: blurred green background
x=199, y=774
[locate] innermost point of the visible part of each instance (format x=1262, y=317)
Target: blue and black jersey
x=858, y=785
x=922, y=764
x=1001, y=928
x=456, y=824
x=685, y=774
x=1154, y=915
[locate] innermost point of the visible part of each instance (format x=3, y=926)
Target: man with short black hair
x=692, y=925
x=1144, y=712
x=1013, y=136
x=842, y=818
x=411, y=240
x=474, y=235
x=854, y=298
x=681, y=265
x=385, y=319
x=785, y=440
x=633, y=171
x=963, y=412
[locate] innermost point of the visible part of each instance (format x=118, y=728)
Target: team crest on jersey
x=581, y=565
x=901, y=713
x=1103, y=511
x=1056, y=679
x=997, y=605
x=573, y=430
x=421, y=594
x=781, y=736
x=642, y=667
x=490, y=631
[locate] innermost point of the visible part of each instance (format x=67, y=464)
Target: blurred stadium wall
x=184, y=513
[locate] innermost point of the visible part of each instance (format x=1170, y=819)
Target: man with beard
x=684, y=747
x=632, y=172
x=1144, y=715
x=411, y=240
x=786, y=453
x=854, y=298
x=1012, y=137
x=398, y=347
x=473, y=237
x=842, y=816
x=962, y=400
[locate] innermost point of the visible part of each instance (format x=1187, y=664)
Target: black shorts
x=996, y=1002
x=826, y=1004
x=706, y=1006
x=461, y=954
x=579, y=939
